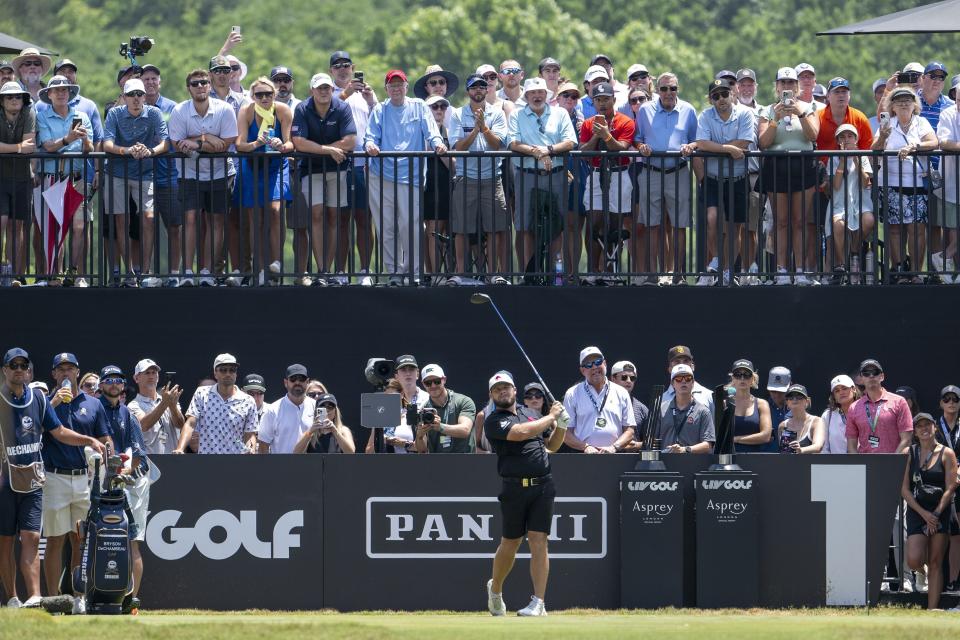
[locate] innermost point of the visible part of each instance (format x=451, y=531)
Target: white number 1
x=843, y=489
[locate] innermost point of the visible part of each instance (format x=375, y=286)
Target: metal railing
x=595, y=218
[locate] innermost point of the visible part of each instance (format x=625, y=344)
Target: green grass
x=821, y=624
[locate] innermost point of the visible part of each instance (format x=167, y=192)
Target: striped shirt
x=932, y=113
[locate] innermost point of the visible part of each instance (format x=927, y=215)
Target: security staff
x=66, y=495
x=526, y=497
x=24, y=417
x=128, y=438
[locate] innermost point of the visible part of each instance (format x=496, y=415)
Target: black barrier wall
x=816, y=332
x=419, y=532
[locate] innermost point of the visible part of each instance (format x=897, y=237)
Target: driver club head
x=479, y=298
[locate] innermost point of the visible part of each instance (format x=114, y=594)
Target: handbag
x=927, y=495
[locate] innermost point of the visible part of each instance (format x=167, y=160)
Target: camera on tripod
x=138, y=46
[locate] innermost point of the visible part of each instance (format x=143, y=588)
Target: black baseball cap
x=718, y=85
x=594, y=59
x=870, y=362
x=111, y=370
x=547, y=62
x=726, y=73
x=16, y=352
x=533, y=385
x=406, y=361
x=133, y=68
x=219, y=62
x=296, y=370
x=743, y=363
x=60, y=358
x=603, y=89
x=254, y=381
x=151, y=67
x=679, y=350
x=746, y=73
x=280, y=71
x=327, y=398
x=337, y=56
x=798, y=388
x=475, y=79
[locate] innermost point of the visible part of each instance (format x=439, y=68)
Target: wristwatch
x=687, y=449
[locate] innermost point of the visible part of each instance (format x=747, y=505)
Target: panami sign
x=469, y=527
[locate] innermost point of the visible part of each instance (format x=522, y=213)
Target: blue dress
x=272, y=175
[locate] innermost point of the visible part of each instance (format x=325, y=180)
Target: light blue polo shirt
x=461, y=124
x=552, y=127
x=50, y=126
x=408, y=127
x=739, y=126
x=663, y=130
x=125, y=130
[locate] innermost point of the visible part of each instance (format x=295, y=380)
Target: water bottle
x=558, y=271
x=67, y=385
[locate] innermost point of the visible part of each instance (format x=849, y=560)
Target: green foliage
x=694, y=39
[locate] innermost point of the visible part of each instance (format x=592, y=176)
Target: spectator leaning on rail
x=880, y=421
x=851, y=208
x=724, y=128
x=18, y=135
x=224, y=416
x=903, y=195
x=399, y=124
x=450, y=429
x=948, y=132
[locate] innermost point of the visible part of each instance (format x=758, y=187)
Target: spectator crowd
x=386, y=175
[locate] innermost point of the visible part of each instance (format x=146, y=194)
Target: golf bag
x=105, y=575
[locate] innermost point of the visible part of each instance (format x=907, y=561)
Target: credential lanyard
x=603, y=401
x=872, y=422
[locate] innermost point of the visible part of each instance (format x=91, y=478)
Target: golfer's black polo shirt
x=516, y=459
x=337, y=125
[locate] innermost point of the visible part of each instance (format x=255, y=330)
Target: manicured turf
x=880, y=624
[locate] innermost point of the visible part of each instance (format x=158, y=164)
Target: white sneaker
x=187, y=280
x=937, y=260
x=339, y=280
x=707, y=280
x=172, y=282
x=906, y=585
x=365, y=280
x=275, y=267
x=782, y=277
x=454, y=281
x=535, y=608
x=395, y=281
x=751, y=279
x=495, y=604
x=950, y=267
x=81, y=283
x=665, y=281
x=32, y=602
x=802, y=280
x=921, y=581
x=14, y=602
x=304, y=281
x=149, y=282
x=206, y=280
x=233, y=281
x=499, y=280
x=79, y=606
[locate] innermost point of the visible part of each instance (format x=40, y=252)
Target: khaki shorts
x=660, y=190
x=620, y=197
x=478, y=199
x=328, y=189
x=943, y=214
x=121, y=191
x=66, y=499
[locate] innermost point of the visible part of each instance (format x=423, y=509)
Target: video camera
x=378, y=371
x=138, y=46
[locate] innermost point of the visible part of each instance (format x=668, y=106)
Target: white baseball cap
x=913, y=67
x=320, y=79
x=534, y=84
x=143, y=365
x=680, y=369
x=133, y=84
x=594, y=72
x=786, y=73
x=805, y=66
x=842, y=380
x=589, y=351
x=486, y=68
x=635, y=68
x=501, y=377
x=224, y=358
x=432, y=371
x=621, y=366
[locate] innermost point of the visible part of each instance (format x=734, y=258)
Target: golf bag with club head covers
x=105, y=575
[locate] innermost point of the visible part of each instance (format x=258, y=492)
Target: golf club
x=482, y=298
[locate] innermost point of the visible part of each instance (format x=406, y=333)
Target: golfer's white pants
x=395, y=208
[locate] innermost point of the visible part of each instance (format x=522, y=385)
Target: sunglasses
x=315, y=394
x=283, y=80
x=590, y=364
x=684, y=378
x=31, y=63
x=870, y=373
x=637, y=100
x=938, y=77
x=341, y=65
x=297, y=378
x=532, y=395
x=227, y=369
x=199, y=83
x=627, y=378
x=112, y=380
x=639, y=76
x=437, y=83
x=950, y=399
x=432, y=383
x=135, y=94
x=489, y=76
x=19, y=366
x=720, y=94
x=439, y=106
x=89, y=386
x=16, y=96
x=260, y=95
x=795, y=397
x=742, y=375
x=511, y=71
x=222, y=71
x=234, y=67
x=672, y=89
x=569, y=96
